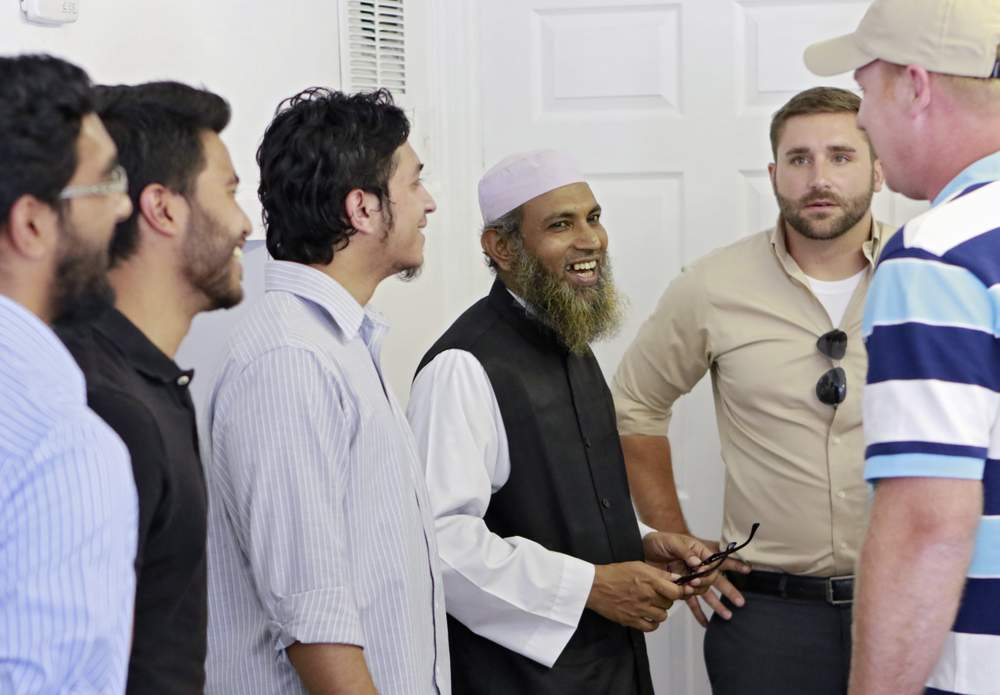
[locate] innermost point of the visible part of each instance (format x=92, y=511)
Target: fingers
x=730, y=591
x=716, y=604
x=696, y=611
x=660, y=603
x=667, y=589
x=652, y=620
x=733, y=565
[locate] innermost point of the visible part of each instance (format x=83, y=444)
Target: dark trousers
x=776, y=646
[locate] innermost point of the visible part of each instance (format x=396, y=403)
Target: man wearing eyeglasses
x=67, y=500
x=177, y=255
x=776, y=319
x=928, y=610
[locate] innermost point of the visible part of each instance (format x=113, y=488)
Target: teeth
x=238, y=252
x=587, y=265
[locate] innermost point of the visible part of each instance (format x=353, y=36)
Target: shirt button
x=183, y=380
x=836, y=440
x=606, y=503
x=841, y=494
x=843, y=545
x=586, y=443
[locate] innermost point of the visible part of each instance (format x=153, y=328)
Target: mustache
x=810, y=198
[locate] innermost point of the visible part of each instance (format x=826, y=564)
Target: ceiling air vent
x=373, y=45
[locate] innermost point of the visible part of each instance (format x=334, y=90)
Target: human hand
x=720, y=586
x=634, y=594
x=679, y=553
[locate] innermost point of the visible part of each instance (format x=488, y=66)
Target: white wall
x=255, y=53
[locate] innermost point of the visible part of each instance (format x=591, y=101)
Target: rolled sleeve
x=666, y=360
x=287, y=474
x=312, y=616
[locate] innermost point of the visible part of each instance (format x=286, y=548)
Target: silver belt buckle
x=829, y=591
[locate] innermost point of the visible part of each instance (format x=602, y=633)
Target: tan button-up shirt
x=746, y=313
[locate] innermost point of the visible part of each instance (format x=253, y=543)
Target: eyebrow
x=568, y=213
x=831, y=148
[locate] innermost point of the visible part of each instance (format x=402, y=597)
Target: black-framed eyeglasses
x=831, y=388
x=711, y=563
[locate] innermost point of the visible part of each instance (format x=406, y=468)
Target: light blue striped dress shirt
x=67, y=523
x=320, y=529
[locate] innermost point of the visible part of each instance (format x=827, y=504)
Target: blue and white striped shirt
x=320, y=530
x=932, y=403
x=67, y=523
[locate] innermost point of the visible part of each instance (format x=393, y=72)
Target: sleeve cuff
x=323, y=616
x=552, y=636
x=917, y=465
x=644, y=530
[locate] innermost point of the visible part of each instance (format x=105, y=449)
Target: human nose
x=592, y=236
x=124, y=207
x=246, y=229
x=821, y=175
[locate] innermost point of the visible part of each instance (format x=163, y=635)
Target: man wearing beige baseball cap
x=927, y=608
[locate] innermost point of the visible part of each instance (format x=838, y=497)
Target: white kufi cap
x=520, y=177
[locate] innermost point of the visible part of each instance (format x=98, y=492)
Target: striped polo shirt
x=932, y=403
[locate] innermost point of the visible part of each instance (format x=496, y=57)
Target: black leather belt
x=837, y=591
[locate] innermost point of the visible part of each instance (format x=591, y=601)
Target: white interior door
x=667, y=106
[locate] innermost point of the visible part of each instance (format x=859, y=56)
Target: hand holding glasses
x=712, y=563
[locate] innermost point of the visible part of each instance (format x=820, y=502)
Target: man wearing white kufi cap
x=542, y=554
x=928, y=601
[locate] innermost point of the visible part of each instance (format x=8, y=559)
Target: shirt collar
x=313, y=285
x=982, y=170
x=870, y=248
x=35, y=345
x=139, y=350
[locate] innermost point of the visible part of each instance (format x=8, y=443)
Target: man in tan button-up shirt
x=769, y=317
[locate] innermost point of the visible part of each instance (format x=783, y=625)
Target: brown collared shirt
x=746, y=314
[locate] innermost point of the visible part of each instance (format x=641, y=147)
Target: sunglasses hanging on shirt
x=831, y=388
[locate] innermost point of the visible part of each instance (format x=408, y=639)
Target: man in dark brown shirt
x=178, y=254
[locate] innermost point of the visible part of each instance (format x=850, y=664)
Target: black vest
x=567, y=490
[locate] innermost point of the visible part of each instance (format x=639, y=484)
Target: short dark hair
x=321, y=145
x=157, y=127
x=42, y=103
x=812, y=101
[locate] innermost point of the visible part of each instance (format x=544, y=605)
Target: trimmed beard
x=208, y=257
x=854, y=210
x=577, y=315
x=80, y=287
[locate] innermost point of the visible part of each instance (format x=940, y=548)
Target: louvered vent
x=374, y=50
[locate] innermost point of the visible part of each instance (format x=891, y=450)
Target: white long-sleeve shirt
x=511, y=590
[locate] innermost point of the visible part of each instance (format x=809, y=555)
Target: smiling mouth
x=583, y=272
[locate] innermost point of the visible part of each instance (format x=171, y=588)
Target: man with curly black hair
x=323, y=573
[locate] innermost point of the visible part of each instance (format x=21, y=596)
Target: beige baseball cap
x=953, y=37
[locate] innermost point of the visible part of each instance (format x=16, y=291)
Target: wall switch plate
x=51, y=11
